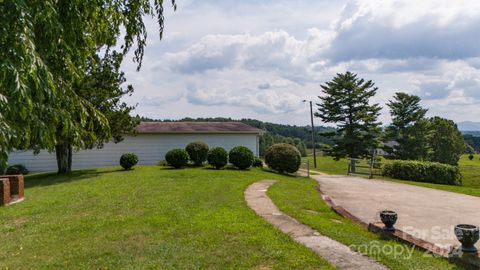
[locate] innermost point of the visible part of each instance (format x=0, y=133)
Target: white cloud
x=406, y=29
x=261, y=58
x=156, y=101
x=263, y=102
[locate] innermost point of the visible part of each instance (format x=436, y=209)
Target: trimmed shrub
x=431, y=172
x=257, y=163
x=17, y=169
x=128, y=160
x=177, y=158
x=162, y=163
x=283, y=157
x=241, y=157
x=217, y=157
x=197, y=151
x=471, y=157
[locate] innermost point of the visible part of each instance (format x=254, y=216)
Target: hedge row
x=280, y=157
x=198, y=152
x=430, y=172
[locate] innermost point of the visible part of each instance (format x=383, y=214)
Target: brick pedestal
x=4, y=191
x=16, y=185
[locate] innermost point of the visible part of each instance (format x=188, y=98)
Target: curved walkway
x=426, y=213
x=334, y=252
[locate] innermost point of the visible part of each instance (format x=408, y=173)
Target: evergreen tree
x=302, y=148
x=447, y=142
x=346, y=102
x=408, y=130
x=265, y=141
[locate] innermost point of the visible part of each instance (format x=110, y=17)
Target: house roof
x=196, y=127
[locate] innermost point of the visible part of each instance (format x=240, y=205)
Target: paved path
x=429, y=214
x=334, y=252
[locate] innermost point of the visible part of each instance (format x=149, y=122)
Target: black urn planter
x=468, y=235
x=388, y=218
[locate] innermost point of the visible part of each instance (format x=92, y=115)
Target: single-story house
x=152, y=141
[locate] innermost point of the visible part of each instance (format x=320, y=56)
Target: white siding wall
x=150, y=148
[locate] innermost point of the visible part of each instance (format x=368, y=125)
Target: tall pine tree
x=409, y=129
x=346, y=102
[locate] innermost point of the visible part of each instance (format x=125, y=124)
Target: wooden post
x=308, y=168
x=353, y=165
x=349, y=165
x=313, y=138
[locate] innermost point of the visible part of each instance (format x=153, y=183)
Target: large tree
x=446, y=142
x=346, y=102
x=45, y=49
x=409, y=128
x=102, y=87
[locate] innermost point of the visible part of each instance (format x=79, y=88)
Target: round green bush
x=17, y=169
x=258, y=163
x=241, y=157
x=217, y=157
x=197, y=151
x=471, y=157
x=177, y=158
x=283, y=157
x=128, y=160
x=162, y=163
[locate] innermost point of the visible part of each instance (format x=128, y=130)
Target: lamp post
x=313, y=135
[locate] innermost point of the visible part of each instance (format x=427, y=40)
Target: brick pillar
x=16, y=185
x=4, y=191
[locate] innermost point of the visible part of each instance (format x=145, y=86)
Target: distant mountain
x=469, y=126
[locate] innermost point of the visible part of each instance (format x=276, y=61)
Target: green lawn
x=470, y=170
x=145, y=218
x=327, y=165
x=154, y=217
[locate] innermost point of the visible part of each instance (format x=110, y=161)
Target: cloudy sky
x=260, y=59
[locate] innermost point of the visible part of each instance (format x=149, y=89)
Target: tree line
x=472, y=139
x=346, y=101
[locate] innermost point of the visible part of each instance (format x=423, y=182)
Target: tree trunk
x=64, y=157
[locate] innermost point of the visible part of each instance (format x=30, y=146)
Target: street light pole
x=313, y=135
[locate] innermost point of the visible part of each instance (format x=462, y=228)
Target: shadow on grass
x=212, y=168
x=47, y=179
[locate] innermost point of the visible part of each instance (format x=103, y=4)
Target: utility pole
x=313, y=135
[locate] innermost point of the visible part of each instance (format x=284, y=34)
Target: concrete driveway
x=426, y=213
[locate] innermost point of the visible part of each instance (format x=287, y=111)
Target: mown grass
x=160, y=218
x=300, y=200
x=150, y=217
x=470, y=170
